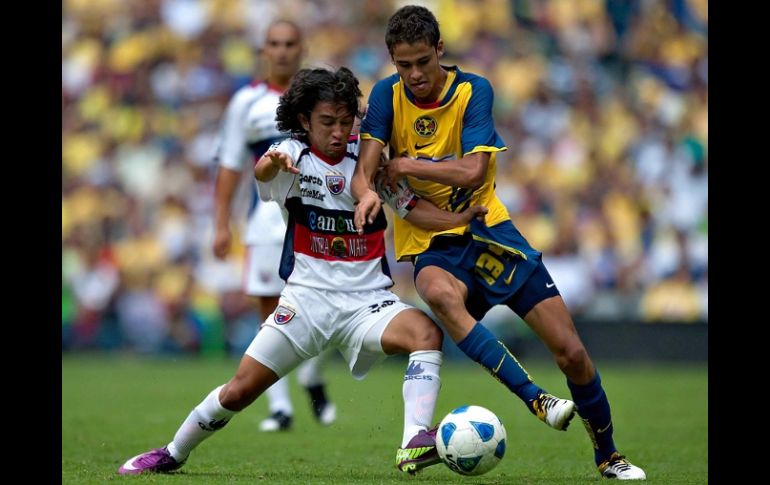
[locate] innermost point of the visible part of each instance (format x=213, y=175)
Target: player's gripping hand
x=395, y=170
x=282, y=161
x=478, y=212
x=367, y=208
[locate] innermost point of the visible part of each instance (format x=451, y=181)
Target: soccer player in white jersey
x=337, y=280
x=248, y=129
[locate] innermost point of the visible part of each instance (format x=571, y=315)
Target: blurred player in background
x=248, y=129
x=336, y=292
x=438, y=123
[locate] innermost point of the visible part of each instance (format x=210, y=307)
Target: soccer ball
x=471, y=440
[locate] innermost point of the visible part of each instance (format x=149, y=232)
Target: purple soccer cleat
x=419, y=453
x=158, y=460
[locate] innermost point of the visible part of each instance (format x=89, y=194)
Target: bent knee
x=429, y=337
x=573, y=359
x=442, y=296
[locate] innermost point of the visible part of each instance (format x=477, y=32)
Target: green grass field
x=116, y=407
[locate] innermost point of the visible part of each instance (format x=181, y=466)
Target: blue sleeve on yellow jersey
x=378, y=121
x=478, y=127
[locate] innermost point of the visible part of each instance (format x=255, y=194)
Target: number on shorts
x=489, y=266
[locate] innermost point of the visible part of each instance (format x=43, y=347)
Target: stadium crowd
x=602, y=103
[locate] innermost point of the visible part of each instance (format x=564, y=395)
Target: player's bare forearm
x=362, y=186
x=469, y=171
x=426, y=215
x=359, y=185
x=265, y=170
x=224, y=189
x=271, y=163
x=368, y=161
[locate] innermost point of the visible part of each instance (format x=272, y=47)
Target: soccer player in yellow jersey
x=437, y=121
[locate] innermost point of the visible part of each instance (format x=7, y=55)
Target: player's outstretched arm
x=368, y=205
x=271, y=163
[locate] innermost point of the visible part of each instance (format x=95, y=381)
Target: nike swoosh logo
x=605, y=428
x=550, y=285
x=419, y=147
x=129, y=465
x=510, y=276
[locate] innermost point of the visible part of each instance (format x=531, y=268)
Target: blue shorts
x=492, y=276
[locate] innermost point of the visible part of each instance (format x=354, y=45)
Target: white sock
x=309, y=372
x=278, y=397
x=208, y=417
x=420, y=390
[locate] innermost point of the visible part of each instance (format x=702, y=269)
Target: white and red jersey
x=322, y=248
x=248, y=129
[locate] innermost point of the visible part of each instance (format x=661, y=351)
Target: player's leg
x=543, y=309
x=445, y=292
x=310, y=377
x=381, y=326
x=412, y=332
x=278, y=396
x=262, y=282
x=269, y=355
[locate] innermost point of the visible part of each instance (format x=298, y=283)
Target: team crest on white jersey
x=283, y=315
x=335, y=183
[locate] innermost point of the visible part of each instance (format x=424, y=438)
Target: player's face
x=418, y=66
x=329, y=128
x=283, y=50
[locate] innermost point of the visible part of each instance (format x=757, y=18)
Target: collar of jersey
x=326, y=158
x=453, y=74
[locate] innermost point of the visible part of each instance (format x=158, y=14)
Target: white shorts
x=260, y=271
x=314, y=320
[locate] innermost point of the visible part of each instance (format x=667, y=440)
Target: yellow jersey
x=458, y=124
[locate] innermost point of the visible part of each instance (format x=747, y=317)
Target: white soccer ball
x=471, y=440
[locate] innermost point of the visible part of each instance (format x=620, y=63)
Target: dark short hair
x=311, y=86
x=412, y=24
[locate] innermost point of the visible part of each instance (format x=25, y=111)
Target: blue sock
x=594, y=408
x=483, y=347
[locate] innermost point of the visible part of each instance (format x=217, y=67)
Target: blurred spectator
x=91, y=280
x=672, y=299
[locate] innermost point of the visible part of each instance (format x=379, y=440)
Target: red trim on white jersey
x=339, y=247
x=272, y=87
x=326, y=158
